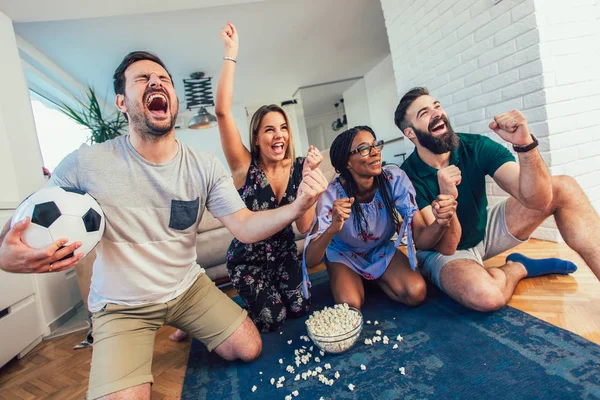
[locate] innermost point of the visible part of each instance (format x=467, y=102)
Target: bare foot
x=178, y=335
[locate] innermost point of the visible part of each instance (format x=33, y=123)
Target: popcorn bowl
x=338, y=343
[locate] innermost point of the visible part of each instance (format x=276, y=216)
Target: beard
x=438, y=145
x=139, y=119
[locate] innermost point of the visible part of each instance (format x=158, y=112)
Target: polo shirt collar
x=427, y=169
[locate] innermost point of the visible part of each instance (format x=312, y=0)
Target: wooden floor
x=54, y=371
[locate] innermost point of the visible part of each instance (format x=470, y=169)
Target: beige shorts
x=124, y=335
x=497, y=240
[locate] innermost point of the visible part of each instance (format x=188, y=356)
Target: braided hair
x=339, y=153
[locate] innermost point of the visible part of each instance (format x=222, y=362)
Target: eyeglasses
x=365, y=149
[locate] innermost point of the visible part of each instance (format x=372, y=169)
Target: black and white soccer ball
x=58, y=212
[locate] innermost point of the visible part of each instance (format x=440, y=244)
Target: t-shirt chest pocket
x=183, y=213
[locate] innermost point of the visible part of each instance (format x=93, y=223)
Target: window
x=58, y=134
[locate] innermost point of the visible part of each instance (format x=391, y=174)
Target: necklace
x=275, y=177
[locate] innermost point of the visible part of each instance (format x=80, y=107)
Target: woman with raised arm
x=371, y=196
x=267, y=274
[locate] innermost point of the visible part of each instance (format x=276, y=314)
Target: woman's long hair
x=339, y=153
x=255, y=123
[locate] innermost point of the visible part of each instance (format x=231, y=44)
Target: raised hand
x=443, y=208
x=340, y=212
x=448, y=180
x=16, y=256
x=512, y=127
x=312, y=186
x=312, y=161
x=230, y=39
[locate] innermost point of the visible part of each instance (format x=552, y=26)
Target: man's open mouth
x=158, y=104
x=438, y=126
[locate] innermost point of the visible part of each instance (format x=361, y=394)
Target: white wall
x=372, y=101
x=209, y=139
x=319, y=130
x=570, y=47
x=357, y=104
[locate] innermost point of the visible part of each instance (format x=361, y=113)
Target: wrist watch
x=529, y=147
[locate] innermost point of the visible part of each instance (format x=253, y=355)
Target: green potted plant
x=89, y=114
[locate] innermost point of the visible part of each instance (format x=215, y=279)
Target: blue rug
x=448, y=352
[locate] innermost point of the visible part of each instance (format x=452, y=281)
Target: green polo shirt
x=476, y=157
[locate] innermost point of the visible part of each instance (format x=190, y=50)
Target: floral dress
x=368, y=253
x=268, y=274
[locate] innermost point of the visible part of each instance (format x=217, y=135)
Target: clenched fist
x=340, y=212
x=512, y=127
x=312, y=161
x=230, y=39
x=312, y=186
x=448, y=180
x=443, y=208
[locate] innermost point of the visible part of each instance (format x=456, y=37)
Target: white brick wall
x=569, y=47
x=481, y=59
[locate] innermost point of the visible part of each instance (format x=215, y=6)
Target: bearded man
x=449, y=163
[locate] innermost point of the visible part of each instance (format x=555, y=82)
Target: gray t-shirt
x=148, y=251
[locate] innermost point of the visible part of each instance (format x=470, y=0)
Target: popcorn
x=281, y=361
x=327, y=366
x=281, y=378
x=319, y=369
x=330, y=383
x=304, y=375
x=351, y=387
x=315, y=373
x=272, y=381
x=368, y=341
x=322, y=353
x=378, y=332
x=260, y=373
x=363, y=367
x=281, y=333
x=395, y=346
x=290, y=369
x=368, y=322
x=399, y=338
x=337, y=375
x=254, y=388
x=310, y=348
x=331, y=321
x=290, y=341
x=295, y=393
x=288, y=397
x=376, y=323
x=317, y=359
x=386, y=340
x=278, y=385
x=297, y=377
x=402, y=370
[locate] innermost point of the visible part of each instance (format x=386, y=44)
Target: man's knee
x=564, y=189
x=243, y=344
x=251, y=350
x=488, y=299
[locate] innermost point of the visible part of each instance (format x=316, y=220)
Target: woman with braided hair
x=371, y=196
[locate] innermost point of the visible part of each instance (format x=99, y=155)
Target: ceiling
x=284, y=44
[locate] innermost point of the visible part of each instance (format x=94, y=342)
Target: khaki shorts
x=497, y=240
x=124, y=335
